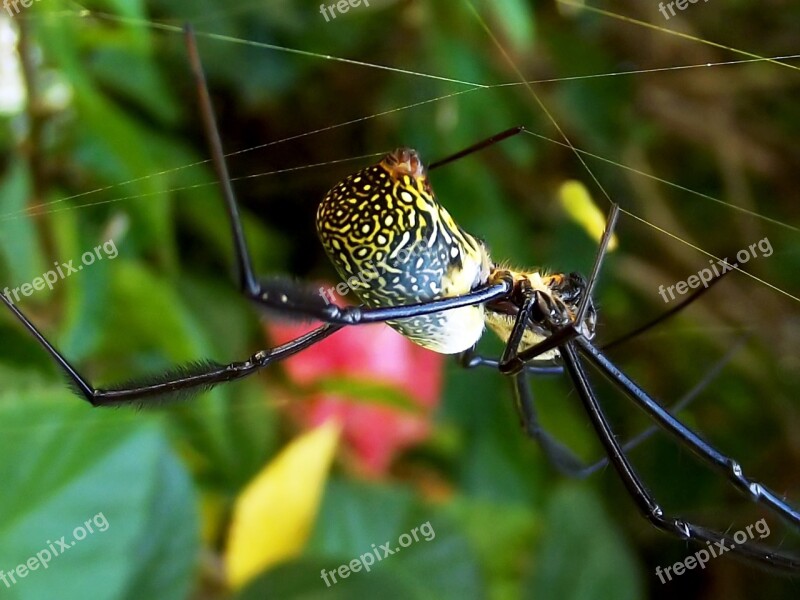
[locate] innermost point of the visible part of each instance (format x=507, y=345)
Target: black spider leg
x=515, y=360
x=470, y=359
x=664, y=316
x=199, y=376
x=203, y=375
x=562, y=338
x=563, y=459
x=560, y=456
x=512, y=360
x=645, y=502
x=702, y=449
x=533, y=299
x=287, y=297
x=490, y=141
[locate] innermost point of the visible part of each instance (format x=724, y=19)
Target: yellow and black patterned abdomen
x=394, y=244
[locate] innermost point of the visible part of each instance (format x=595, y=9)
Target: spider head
x=569, y=290
x=558, y=298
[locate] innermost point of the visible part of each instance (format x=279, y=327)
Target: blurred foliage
x=107, y=145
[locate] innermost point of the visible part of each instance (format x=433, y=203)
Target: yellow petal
x=578, y=203
x=274, y=514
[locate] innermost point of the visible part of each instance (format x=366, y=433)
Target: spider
x=437, y=285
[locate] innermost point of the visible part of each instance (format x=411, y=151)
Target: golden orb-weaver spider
x=441, y=293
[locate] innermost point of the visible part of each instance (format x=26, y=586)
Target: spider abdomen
x=394, y=244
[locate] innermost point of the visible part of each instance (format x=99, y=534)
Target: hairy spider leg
x=642, y=497
x=198, y=376
x=571, y=340
x=563, y=459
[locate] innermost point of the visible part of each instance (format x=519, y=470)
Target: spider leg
x=490, y=141
x=647, y=505
x=707, y=453
x=200, y=376
x=532, y=298
x=469, y=359
x=184, y=380
x=286, y=296
x=515, y=361
x=664, y=316
x=560, y=456
x=681, y=404
x=564, y=460
x=293, y=299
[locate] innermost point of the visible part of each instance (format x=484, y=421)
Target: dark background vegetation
x=507, y=526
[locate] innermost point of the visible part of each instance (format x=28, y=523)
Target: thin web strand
x=195, y=186
x=82, y=12
x=699, y=249
x=101, y=426
x=567, y=142
x=589, y=171
x=680, y=34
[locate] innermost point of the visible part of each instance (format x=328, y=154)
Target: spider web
x=673, y=224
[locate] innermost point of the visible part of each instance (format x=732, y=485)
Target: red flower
x=374, y=354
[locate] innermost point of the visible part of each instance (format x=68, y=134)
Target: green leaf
x=66, y=468
x=302, y=580
x=583, y=556
x=517, y=19
x=356, y=519
x=501, y=547
x=19, y=246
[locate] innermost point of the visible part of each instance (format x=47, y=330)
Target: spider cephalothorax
x=557, y=298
